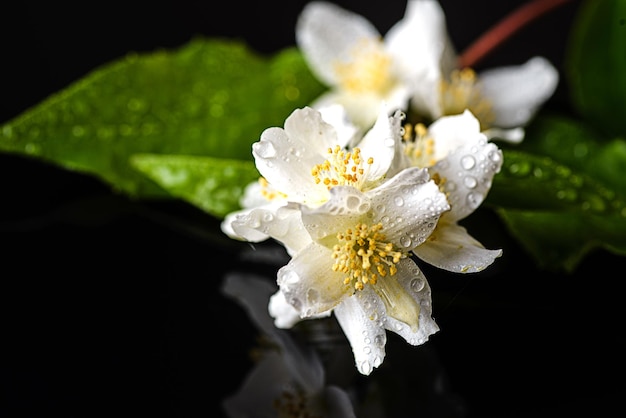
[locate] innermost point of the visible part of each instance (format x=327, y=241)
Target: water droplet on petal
x=312, y=296
x=264, y=149
x=417, y=284
x=474, y=199
x=365, y=367
x=468, y=162
x=470, y=182
x=398, y=200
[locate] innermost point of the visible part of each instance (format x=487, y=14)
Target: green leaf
x=559, y=241
x=208, y=98
x=212, y=184
x=562, y=192
x=595, y=64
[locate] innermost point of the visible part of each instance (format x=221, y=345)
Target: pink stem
x=504, y=29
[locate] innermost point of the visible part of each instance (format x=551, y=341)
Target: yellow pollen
x=364, y=255
x=267, y=192
x=367, y=69
x=419, y=147
x=342, y=168
x=462, y=92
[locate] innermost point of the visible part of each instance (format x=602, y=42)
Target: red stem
x=504, y=29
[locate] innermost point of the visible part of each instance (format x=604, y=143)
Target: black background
x=110, y=309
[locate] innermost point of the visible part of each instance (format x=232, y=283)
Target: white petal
x=285, y=315
x=360, y=318
x=451, y=248
x=516, y=92
x=467, y=174
x=511, y=135
x=415, y=284
x=286, y=156
x=327, y=33
x=408, y=206
x=422, y=51
x=336, y=115
x=343, y=209
x=362, y=108
x=309, y=283
x=380, y=143
x=452, y=132
x=281, y=222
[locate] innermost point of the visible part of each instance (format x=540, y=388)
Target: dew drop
x=399, y=201
x=365, y=367
x=353, y=202
x=367, y=349
x=380, y=340
x=405, y=241
x=264, y=149
x=468, y=162
x=417, y=284
x=474, y=199
x=470, y=182
x=312, y=296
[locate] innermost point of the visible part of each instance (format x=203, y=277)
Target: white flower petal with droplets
x=408, y=206
x=466, y=176
x=451, y=248
x=364, y=331
x=309, y=283
x=285, y=157
x=284, y=314
x=280, y=221
x=413, y=282
x=516, y=92
x=453, y=132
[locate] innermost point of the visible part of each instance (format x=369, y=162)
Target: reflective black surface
x=112, y=307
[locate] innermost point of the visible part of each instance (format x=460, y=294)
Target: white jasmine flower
x=504, y=99
x=360, y=67
x=357, y=264
x=463, y=163
x=300, y=162
x=289, y=378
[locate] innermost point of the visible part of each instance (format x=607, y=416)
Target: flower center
x=418, y=146
x=364, y=255
x=462, y=92
x=342, y=168
x=367, y=69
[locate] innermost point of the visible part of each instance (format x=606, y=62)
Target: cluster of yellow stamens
x=461, y=92
x=268, y=192
x=364, y=256
x=418, y=145
x=341, y=168
x=367, y=69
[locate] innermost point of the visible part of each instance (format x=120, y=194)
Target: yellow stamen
x=268, y=192
x=367, y=68
x=462, y=92
x=341, y=168
x=419, y=146
x=364, y=255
